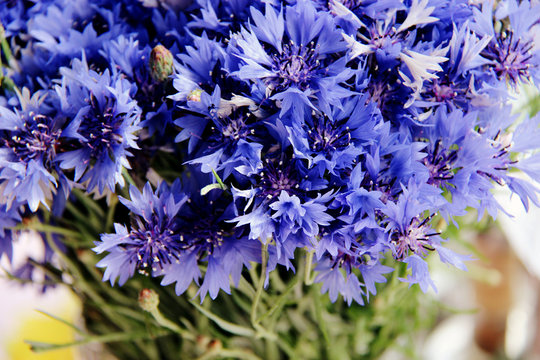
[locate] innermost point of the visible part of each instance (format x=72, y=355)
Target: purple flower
x=291, y=53
x=30, y=138
x=152, y=242
x=419, y=273
x=172, y=233
x=102, y=119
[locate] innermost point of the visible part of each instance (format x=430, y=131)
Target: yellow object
x=36, y=326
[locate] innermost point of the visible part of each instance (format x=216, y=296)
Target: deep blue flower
x=102, y=121
x=232, y=133
x=334, y=141
x=152, y=242
x=172, y=233
x=283, y=203
x=30, y=138
x=512, y=51
x=292, y=53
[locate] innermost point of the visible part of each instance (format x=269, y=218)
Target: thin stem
x=163, y=321
x=260, y=287
x=45, y=228
x=224, y=324
x=39, y=347
x=279, y=302
x=307, y=274
x=5, y=46
x=228, y=353
x=320, y=320
x=110, y=213
x=128, y=177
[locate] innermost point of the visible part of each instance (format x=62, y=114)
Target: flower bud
x=195, y=95
x=148, y=300
x=161, y=63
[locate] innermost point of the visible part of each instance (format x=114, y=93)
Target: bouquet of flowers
x=268, y=150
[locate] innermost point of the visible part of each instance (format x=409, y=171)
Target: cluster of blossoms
x=339, y=127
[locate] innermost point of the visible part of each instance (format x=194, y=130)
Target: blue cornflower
x=462, y=84
x=284, y=203
x=232, y=132
x=28, y=146
x=102, y=119
x=291, y=54
x=512, y=52
x=410, y=235
x=172, y=233
x=152, y=242
x=334, y=141
x=199, y=67
x=208, y=236
x=339, y=270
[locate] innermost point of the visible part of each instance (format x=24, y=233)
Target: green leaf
x=224, y=324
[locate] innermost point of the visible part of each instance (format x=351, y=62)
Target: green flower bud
x=161, y=63
x=148, y=300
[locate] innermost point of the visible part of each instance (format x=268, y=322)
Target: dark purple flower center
x=440, y=164
x=443, y=92
x=510, y=56
x=205, y=236
x=296, y=66
x=35, y=141
x=203, y=229
x=230, y=129
x=155, y=245
x=100, y=127
x=274, y=179
x=327, y=136
x=415, y=238
x=385, y=96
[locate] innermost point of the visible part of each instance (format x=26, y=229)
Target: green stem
x=320, y=320
x=260, y=287
x=228, y=353
x=279, y=302
x=307, y=274
x=39, y=347
x=224, y=324
x=110, y=213
x=128, y=177
x=4, y=44
x=245, y=287
x=163, y=321
x=88, y=202
x=45, y=228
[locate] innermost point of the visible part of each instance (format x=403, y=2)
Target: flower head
x=102, y=119
x=28, y=148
